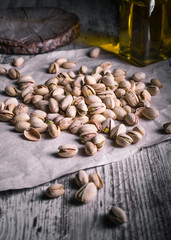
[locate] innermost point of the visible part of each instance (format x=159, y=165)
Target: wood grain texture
x=139, y=184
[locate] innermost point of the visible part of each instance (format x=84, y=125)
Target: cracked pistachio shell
x=67, y=150
x=25, y=79
x=13, y=73
x=38, y=113
x=69, y=65
x=54, y=190
x=167, y=127
x=53, y=130
x=36, y=122
x=90, y=148
x=117, y=215
x=81, y=178
x=144, y=95
x=98, y=118
x=28, y=97
x=108, y=125
x=42, y=105
x=78, y=100
x=53, y=80
x=78, y=82
x=75, y=126
x=21, y=117
x=66, y=101
x=41, y=90
x=88, y=90
x=71, y=111
x=87, y=136
x=53, y=68
x=118, y=130
x=96, y=179
x=150, y=113
x=92, y=99
x=71, y=74
x=26, y=90
x=90, y=80
x=42, y=128
x=86, y=193
x=32, y=134
x=53, y=105
x=120, y=92
x=125, y=84
x=11, y=91
x=3, y=71
x=18, y=62
x=96, y=108
x=88, y=127
x=132, y=98
x=82, y=109
x=107, y=93
x=94, y=53
x=139, y=129
x=58, y=119
x=83, y=69
x=98, y=70
x=36, y=98
x=76, y=91
x=6, y=115
x=109, y=82
x=156, y=82
x=109, y=102
x=144, y=103
x=10, y=107
x=99, y=87
x=65, y=123
x=99, y=140
x=97, y=125
x=120, y=113
x=139, y=76
x=123, y=140
x=131, y=119
x=136, y=136
x=11, y=100
x=58, y=91
x=153, y=90
x=21, y=126
x=60, y=61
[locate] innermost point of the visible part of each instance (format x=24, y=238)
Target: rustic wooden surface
x=140, y=184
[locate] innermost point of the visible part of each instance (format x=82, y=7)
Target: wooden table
x=139, y=184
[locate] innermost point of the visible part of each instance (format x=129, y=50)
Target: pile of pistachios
x=82, y=102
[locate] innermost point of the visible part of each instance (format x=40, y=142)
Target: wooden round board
x=36, y=30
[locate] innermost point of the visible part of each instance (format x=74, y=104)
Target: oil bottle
x=145, y=30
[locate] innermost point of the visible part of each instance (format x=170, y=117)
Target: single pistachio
x=21, y=117
x=108, y=125
x=97, y=70
x=82, y=109
x=97, y=125
x=3, y=71
x=36, y=122
x=66, y=81
x=139, y=129
x=65, y=123
x=144, y=95
x=167, y=127
x=71, y=111
x=92, y=99
x=26, y=90
x=75, y=126
x=78, y=100
x=28, y=97
x=109, y=82
x=18, y=62
x=96, y=108
x=87, y=136
x=88, y=90
x=53, y=130
x=90, y=148
x=97, y=76
x=123, y=140
x=10, y=107
x=67, y=150
x=51, y=87
x=21, y=126
x=118, y=130
x=42, y=128
x=2, y=105
x=11, y=100
x=156, y=82
x=38, y=113
x=57, y=91
x=99, y=140
x=96, y=179
x=83, y=69
x=53, y=80
x=86, y=193
x=32, y=134
x=108, y=113
x=109, y=102
x=83, y=119
x=25, y=79
x=81, y=178
x=52, y=116
x=90, y=80
x=41, y=90
x=150, y=113
x=94, y=53
x=153, y=90
x=98, y=118
x=128, y=109
x=88, y=127
x=60, y=61
x=144, y=103
x=136, y=136
x=13, y=73
x=66, y=101
x=120, y=113
x=139, y=87
x=76, y=92
x=117, y=215
x=11, y=91
x=139, y=76
x=6, y=115
x=131, y=119
x=42, y=105
x=120, y=92
x=54, y=190
x=99, y=87
x=53, y=68
x=106, y=65
x=69, y=65
x=126, y=85
x=107, y=93
x=119, y=74
x=36, y=98
x=78, y=82
x=71, y=74
x=132, y=98
x=53, y=105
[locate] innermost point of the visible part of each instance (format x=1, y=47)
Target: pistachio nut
x=131, y=119
x=83, y=69
x=38, y=113
x=97, y=76
x=53, y=68
x=118, y=130
x=139, y=87
x=36, y=122
x=71, y=111
x=99, y=140
x=58, y=119
x=96, y=179
x=136, y=136
x=88, y=127
x=41, y=90
x=71, y=74
x=21, y=126
x=57, y=91
x=36, y=98
x=10, y=107
x=92, y=99
x=120, y=113
x=139, y=129
x=11, y=91
x=88, y=90
x=156, y=82
x=125, y=84
x=123, y=140
x=98, y=70
x=117, y=215
x=87, y=136
x=11, y=100
x=65, y=123
x=18, y=62
x=96, y=108
x=60, y=61
x=67, y=150
x=86, y=193
x=99, y=87
x=21, y=117
x=81, y=178
x=118, y=103
x=90, y=149
x=66, y=101
x=69, y=65
x=144, y=103
x=109, y=82
x=98, y=118
x=106, y=65
x=82, y=109
x=153, y=90
x=76, y=91
x=90, y=80
x=78, y=100
x=107, y=93
x=13, y=73
x=53, y=130
x=108, y=125
x=6, y=115
x=25, y=81
x=42, y=128
x=94, y=53
x=109, y=102
x=150, y=113
x=32, y=134
x=167, y=127
x=138, y=111
x=42, y=105
x=53, y=80
x=132, y=98
x=54, y=190
x=52, y=116
x=28, y=97
x=83, y=119
x=26, y=90
x=78, y=82
x=139, y=76
x=120, y=92
x=3, y=71
x=97, y=125
x=119, y=74
x=53, y=105
x=75, y=126
x=144, y=95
